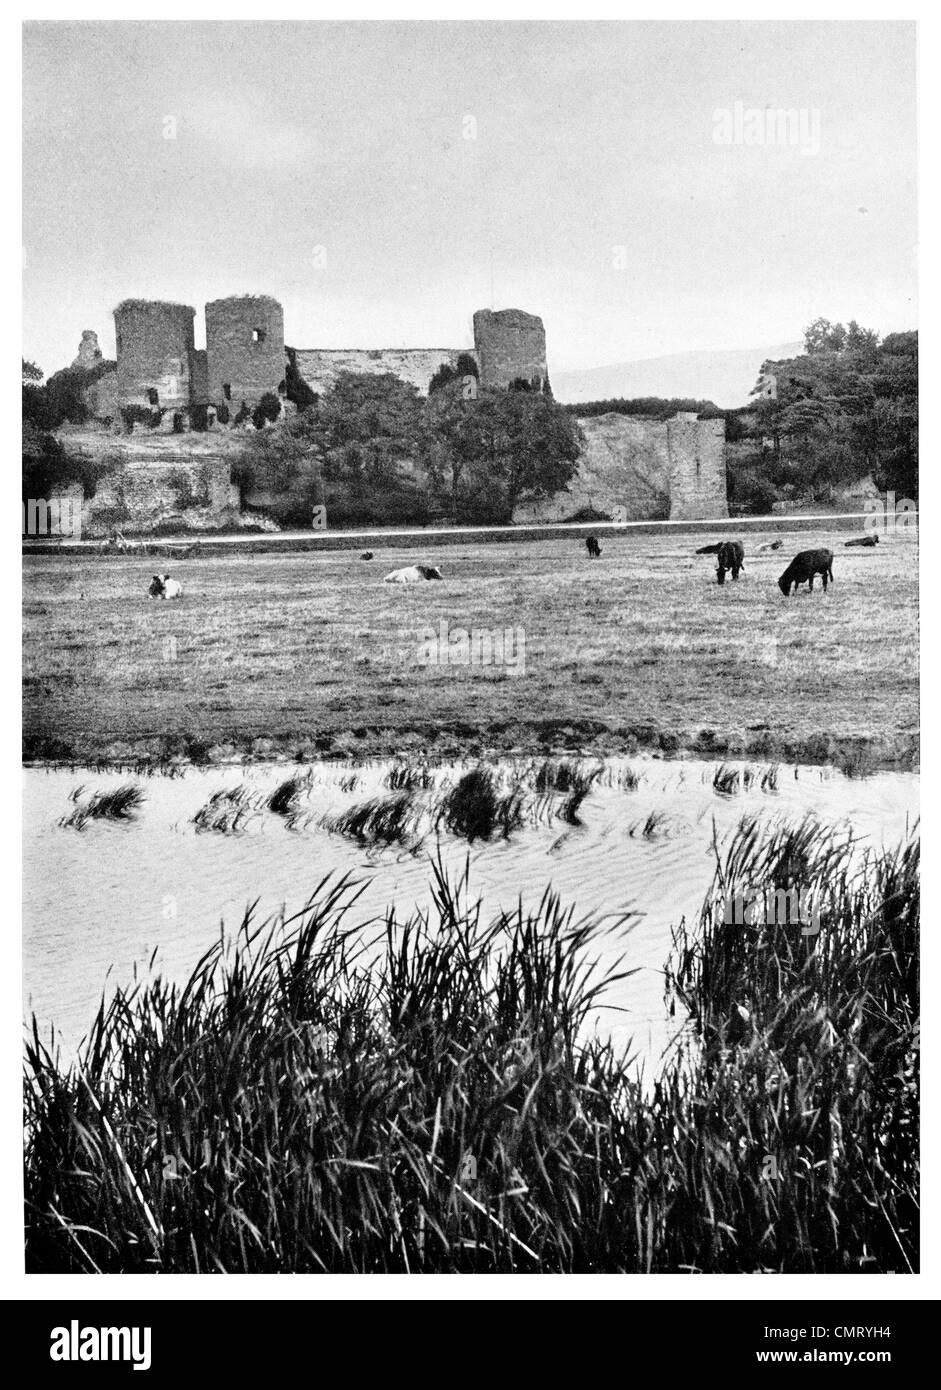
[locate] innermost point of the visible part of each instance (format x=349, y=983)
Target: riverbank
x=437, y=1099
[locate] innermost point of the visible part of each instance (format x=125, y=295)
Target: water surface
x=99, y=903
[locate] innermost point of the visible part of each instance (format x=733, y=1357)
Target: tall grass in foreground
x=428, y=1095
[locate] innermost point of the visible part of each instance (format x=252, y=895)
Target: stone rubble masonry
x=654, y=469
x=245, y=350
x=89, y=353
x=154, y=348
x=697, y=468
x=509, y=344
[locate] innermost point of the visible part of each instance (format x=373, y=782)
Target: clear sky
x=329, y=165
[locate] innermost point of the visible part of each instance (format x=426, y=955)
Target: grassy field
x=311, y=655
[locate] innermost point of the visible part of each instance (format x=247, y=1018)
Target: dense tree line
x=845, y=410
x=655, y=407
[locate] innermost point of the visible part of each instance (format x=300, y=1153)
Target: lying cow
x=162, y=586
x=413, y=574
x=772, y=545
x=863, y=540
x=729, y=556
x=803, y=567
x=592, y=546
x=366, y=555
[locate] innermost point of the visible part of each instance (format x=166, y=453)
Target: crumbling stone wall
x=697, y=468
x=643, y=469
x=245, y=349
x=140, y=494
x=510, y=344
x=154, y=344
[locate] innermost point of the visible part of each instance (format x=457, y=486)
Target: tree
x=824, y=336
x=365, y=425
x=840, y=415
x=491, y=453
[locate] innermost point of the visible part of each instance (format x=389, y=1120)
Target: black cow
x=709, y=549
x=863, y=540
x=592, y=546
x=772, y=545
x=729, y=556
x=803, y=567
x=366, y=555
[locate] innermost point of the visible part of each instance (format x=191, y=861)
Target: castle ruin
x=632, y=467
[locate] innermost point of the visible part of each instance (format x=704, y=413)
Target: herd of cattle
x=730, y=559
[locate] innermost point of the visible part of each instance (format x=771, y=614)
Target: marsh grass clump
x=564, y=776
x=726, y=780
x=430, y=1094
x=227, y=812
x=283, y=801
x=657, y=826
x=476, y=807
x=407, y=777
x=770, y=777
x=383, y=820
x=120, y=804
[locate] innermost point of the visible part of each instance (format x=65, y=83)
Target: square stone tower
x=510, y=345
x=244, y=350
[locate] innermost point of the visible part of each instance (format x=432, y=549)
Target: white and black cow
x=162, y=586
x=413, y=574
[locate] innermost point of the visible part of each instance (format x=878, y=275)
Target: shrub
x=181, y=483
x=140, y=415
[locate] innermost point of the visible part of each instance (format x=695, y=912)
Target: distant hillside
x=726, y=378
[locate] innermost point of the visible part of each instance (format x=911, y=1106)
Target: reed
x=383, y=820
x=121, y=804
x=476, y=807
x=227, y=812
x=432, y=1094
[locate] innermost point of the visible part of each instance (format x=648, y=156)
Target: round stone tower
x=510, y=346
x=154, y=348
x=245, y=349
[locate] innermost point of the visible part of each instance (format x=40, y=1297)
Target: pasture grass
x=433, y=1094
x=312, y=656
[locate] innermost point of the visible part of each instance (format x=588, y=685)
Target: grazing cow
x=413, y=574
x=162, y=586
x=592, y=546
x=863, y=540
x=803, y=567
x=366, y=555
x=709, y=549
x=729, y=556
